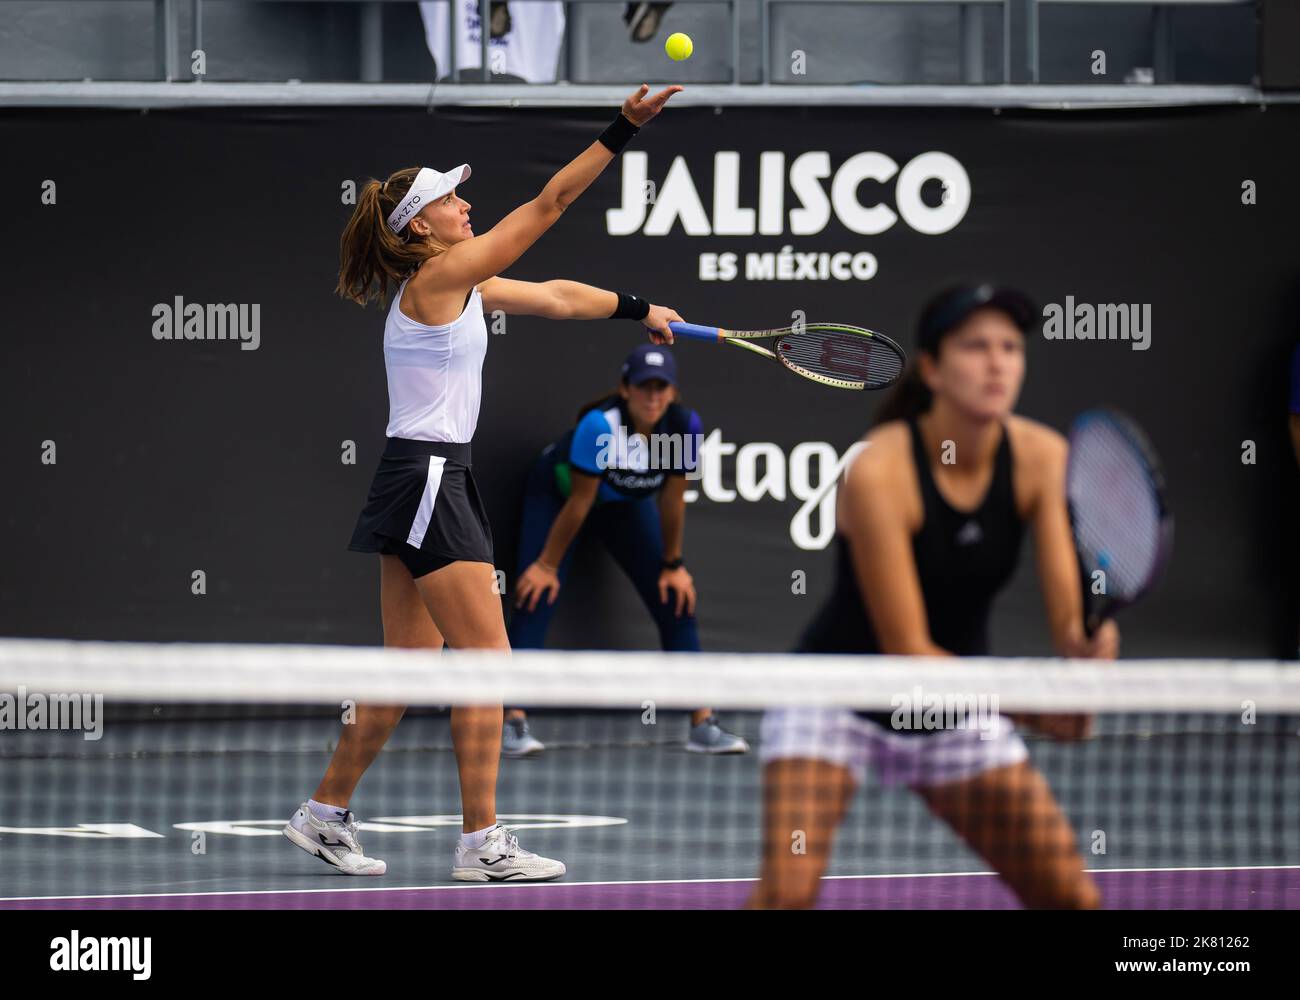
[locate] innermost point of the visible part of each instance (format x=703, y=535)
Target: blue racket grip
x=695, y=332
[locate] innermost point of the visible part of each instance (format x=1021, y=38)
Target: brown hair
x=907, y=400
x=370, y=254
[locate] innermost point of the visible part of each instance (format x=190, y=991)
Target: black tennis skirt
x=424, y=496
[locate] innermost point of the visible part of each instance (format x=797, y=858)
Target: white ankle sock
x=330, y=814
x=476, y=839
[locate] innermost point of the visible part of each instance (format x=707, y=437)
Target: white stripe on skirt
x=425, y=514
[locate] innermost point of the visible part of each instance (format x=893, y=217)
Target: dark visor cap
x=949, y=310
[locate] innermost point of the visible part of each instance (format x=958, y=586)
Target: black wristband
x=618, y=134
x=673, y=563
x=630, y=307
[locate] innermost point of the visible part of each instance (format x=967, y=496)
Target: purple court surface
x=1270, y=888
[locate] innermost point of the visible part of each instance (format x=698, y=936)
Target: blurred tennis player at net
x=424, y=514
x=630, y=493
x=929, y=523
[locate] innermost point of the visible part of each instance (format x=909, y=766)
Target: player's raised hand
x=639, y=111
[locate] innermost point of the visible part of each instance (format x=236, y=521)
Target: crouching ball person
x=619, y=475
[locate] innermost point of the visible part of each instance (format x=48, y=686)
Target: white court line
x=556, y=885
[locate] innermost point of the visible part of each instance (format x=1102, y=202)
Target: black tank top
x=963, y=560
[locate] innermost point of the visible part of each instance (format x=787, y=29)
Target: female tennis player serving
x=929, y=522
x=424, y=514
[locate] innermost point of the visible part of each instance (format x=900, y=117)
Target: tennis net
x=161, y=776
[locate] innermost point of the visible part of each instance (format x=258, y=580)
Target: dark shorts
x=424, y=507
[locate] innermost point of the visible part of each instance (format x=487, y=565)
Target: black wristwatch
x=672, y=563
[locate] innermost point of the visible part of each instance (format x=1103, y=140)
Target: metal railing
x=370, y=36
x=971, y=42
x=1161, y=28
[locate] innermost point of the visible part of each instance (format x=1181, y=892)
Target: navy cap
x=647, y=361
x=950, y=308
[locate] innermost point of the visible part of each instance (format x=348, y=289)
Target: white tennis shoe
x=517, y=741
x=333, y=841
x=501, y=859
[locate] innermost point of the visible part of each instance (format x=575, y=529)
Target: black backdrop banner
x=134, y=462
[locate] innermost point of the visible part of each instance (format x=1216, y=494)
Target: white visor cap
x=429, y=186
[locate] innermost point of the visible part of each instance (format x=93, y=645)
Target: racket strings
x=841, y=355
x=1117, y=512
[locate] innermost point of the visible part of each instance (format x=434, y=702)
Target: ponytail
x=370, y=254
x=909, y=398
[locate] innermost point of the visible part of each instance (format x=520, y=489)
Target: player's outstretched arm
x=482, y=257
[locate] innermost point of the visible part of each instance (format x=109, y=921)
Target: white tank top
x=435, y=373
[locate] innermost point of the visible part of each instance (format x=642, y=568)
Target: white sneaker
x=501, y=859
x=517, y=741
x=334, y=842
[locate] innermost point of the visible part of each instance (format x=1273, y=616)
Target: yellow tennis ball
x=679, y=46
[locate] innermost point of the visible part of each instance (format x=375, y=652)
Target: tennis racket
x=845, y=357
x=1118, y=513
